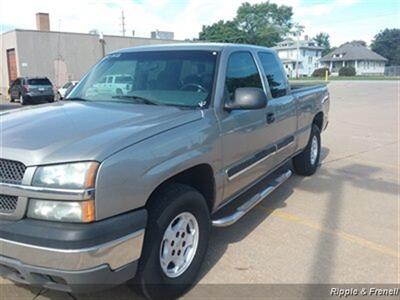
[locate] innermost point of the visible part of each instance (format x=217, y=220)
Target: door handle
x=270, y=118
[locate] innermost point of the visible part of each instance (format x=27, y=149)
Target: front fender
x=126, y=180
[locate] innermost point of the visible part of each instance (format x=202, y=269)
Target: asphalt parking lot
x=339, y=226
x=5, y=104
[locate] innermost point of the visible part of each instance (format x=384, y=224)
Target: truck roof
x=190, y=46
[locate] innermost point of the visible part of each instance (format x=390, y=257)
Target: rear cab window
x=241, y=72
x=275, y=75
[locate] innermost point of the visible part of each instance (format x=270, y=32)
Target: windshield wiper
x=154, y=102
x=76, y=99
x=139, y=98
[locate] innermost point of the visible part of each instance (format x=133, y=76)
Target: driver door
x=247, y=148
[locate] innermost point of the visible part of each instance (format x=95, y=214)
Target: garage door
x=12, y=65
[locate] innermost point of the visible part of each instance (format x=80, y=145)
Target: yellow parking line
x=349, y=237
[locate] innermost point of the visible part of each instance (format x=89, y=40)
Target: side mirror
x=247, y=98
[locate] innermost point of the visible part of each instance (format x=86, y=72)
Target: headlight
x=65, y=211
x=67, y=176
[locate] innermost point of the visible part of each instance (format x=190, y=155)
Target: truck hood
x=75, y=131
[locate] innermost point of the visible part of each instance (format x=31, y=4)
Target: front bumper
x=98, y=278
x=63, y=255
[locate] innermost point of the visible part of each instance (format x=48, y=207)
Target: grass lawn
x=319, y=79
x=307, y=82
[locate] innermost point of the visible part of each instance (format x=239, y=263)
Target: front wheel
x=175, y=243
x=306, y=162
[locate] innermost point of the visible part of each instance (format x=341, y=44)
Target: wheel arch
x=199, y=177
x=319, y=120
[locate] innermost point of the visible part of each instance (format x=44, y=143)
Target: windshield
x=67, y=85
x=181, y=78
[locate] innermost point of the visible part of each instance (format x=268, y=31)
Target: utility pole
x=123, y=23
x=298, y=31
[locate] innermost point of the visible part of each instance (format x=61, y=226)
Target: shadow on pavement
x=332, y=182
x=326, y=181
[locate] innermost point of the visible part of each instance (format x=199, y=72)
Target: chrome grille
x=8, y=204
x=11, y=171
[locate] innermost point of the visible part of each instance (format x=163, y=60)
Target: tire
x=306, y=163
x=170, y=204
x=22, y=100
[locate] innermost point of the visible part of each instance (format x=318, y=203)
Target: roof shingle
x=352, y=51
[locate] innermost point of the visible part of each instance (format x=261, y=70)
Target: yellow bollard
x=326, y=75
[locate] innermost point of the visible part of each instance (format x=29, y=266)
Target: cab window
x=274, y=73
x=241, y=72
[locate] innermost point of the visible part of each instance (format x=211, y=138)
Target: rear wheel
x=22, y=99
x=175, y=244
x=306, y=162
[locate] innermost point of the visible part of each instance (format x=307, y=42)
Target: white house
x=306, y=53
x=353, y=54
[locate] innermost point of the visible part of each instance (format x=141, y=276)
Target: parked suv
x=101, y=187
x=31, y=90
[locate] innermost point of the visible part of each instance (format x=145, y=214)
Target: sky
x=344, y=20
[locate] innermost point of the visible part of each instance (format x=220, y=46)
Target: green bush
x=320, y=72
x=347, y=71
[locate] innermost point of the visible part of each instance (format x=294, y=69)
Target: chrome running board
x=253, y=201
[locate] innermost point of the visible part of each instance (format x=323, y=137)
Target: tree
x=360, y=42
x=226, y=32
x=94, y=32
x=264, y=23
x=387, y=44
x=259, y=24
x=322, y=40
